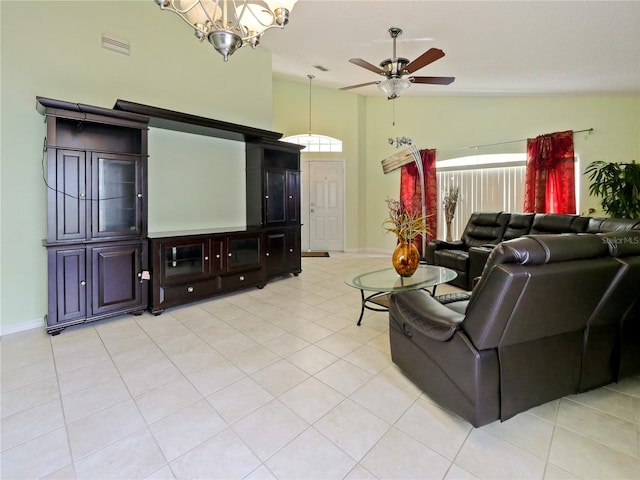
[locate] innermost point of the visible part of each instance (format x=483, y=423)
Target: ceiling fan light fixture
x=395, y=68
x=393, y=87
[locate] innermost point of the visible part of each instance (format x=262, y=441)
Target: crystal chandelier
x=230, y=24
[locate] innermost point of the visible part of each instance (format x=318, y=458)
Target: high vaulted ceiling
x=491, y=47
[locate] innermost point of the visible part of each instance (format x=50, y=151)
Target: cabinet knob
x=83, y=283
x=290, y=196
x=206, y=258
x=229, y=254
x=291, y=250
x=218, y=256
x=190, y=289
x=266, y=196
x=267, y=254
x=242, y=278
x=139, y=195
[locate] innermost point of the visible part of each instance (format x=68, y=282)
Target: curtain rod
x=502, y=143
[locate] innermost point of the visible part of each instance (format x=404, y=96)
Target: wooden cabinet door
x=67, y=286
x=275, y=196
x=217, y=256
x=275, y=252
x=183, y=260
x=67, y=182
x=115, y=281
x=293, y=197
x=294, y=253
x=243, y=253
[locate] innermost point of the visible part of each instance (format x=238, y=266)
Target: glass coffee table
x=386, y=281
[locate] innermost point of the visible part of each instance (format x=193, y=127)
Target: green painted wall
x=448, y=124
x=52, y=49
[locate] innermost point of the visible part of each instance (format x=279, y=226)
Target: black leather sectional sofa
x=551, y=315
x=484, y=230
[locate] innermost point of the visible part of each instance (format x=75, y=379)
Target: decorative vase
x=405, y=258
x=449, y=232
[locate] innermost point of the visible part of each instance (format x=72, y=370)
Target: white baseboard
x=21, y=327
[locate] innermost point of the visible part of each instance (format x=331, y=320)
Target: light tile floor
x=276, y=383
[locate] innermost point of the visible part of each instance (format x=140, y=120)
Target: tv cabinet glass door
x=184, y=260
x=116, y=195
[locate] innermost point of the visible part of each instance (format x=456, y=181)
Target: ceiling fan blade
x=434, y=80
x=364, y=64
x=359, y=85
x=425, y=59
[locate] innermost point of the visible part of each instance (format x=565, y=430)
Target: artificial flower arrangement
x=450, y=202
x=403, y=222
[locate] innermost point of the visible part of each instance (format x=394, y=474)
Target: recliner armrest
x=455, y=245
x=418, y=310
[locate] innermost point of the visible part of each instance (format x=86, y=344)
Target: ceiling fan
x=395, y=69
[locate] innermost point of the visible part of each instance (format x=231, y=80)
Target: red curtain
x=550, y=174
x=411, y=196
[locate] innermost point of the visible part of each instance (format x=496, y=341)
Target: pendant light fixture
x=312, y=141
x=230, y=24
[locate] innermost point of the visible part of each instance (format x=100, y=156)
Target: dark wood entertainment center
x=102, y=261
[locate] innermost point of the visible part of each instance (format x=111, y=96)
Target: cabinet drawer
x=187, y=292
x=240, y=280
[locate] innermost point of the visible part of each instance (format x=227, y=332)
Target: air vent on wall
x=321, y=68
x=116, y=44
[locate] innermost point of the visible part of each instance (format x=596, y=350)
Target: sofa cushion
x=603, y=224
x=484, y=228
x=558, y=223
x=541, y=249
x=519, y=225
x=567, y=247
x=454, y=259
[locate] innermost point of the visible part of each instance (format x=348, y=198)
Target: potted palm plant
x=619, y=186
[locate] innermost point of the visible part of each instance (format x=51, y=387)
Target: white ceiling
x=491, y=47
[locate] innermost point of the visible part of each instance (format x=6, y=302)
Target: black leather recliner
x=518, y=224
x=482, y=228
x=518, y=342
x=614, y=329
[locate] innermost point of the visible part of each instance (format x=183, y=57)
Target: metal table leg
x=375, y=298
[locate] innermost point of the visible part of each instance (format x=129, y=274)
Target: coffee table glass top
x=387, y=279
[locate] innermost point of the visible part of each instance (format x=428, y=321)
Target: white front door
x=326, y=205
